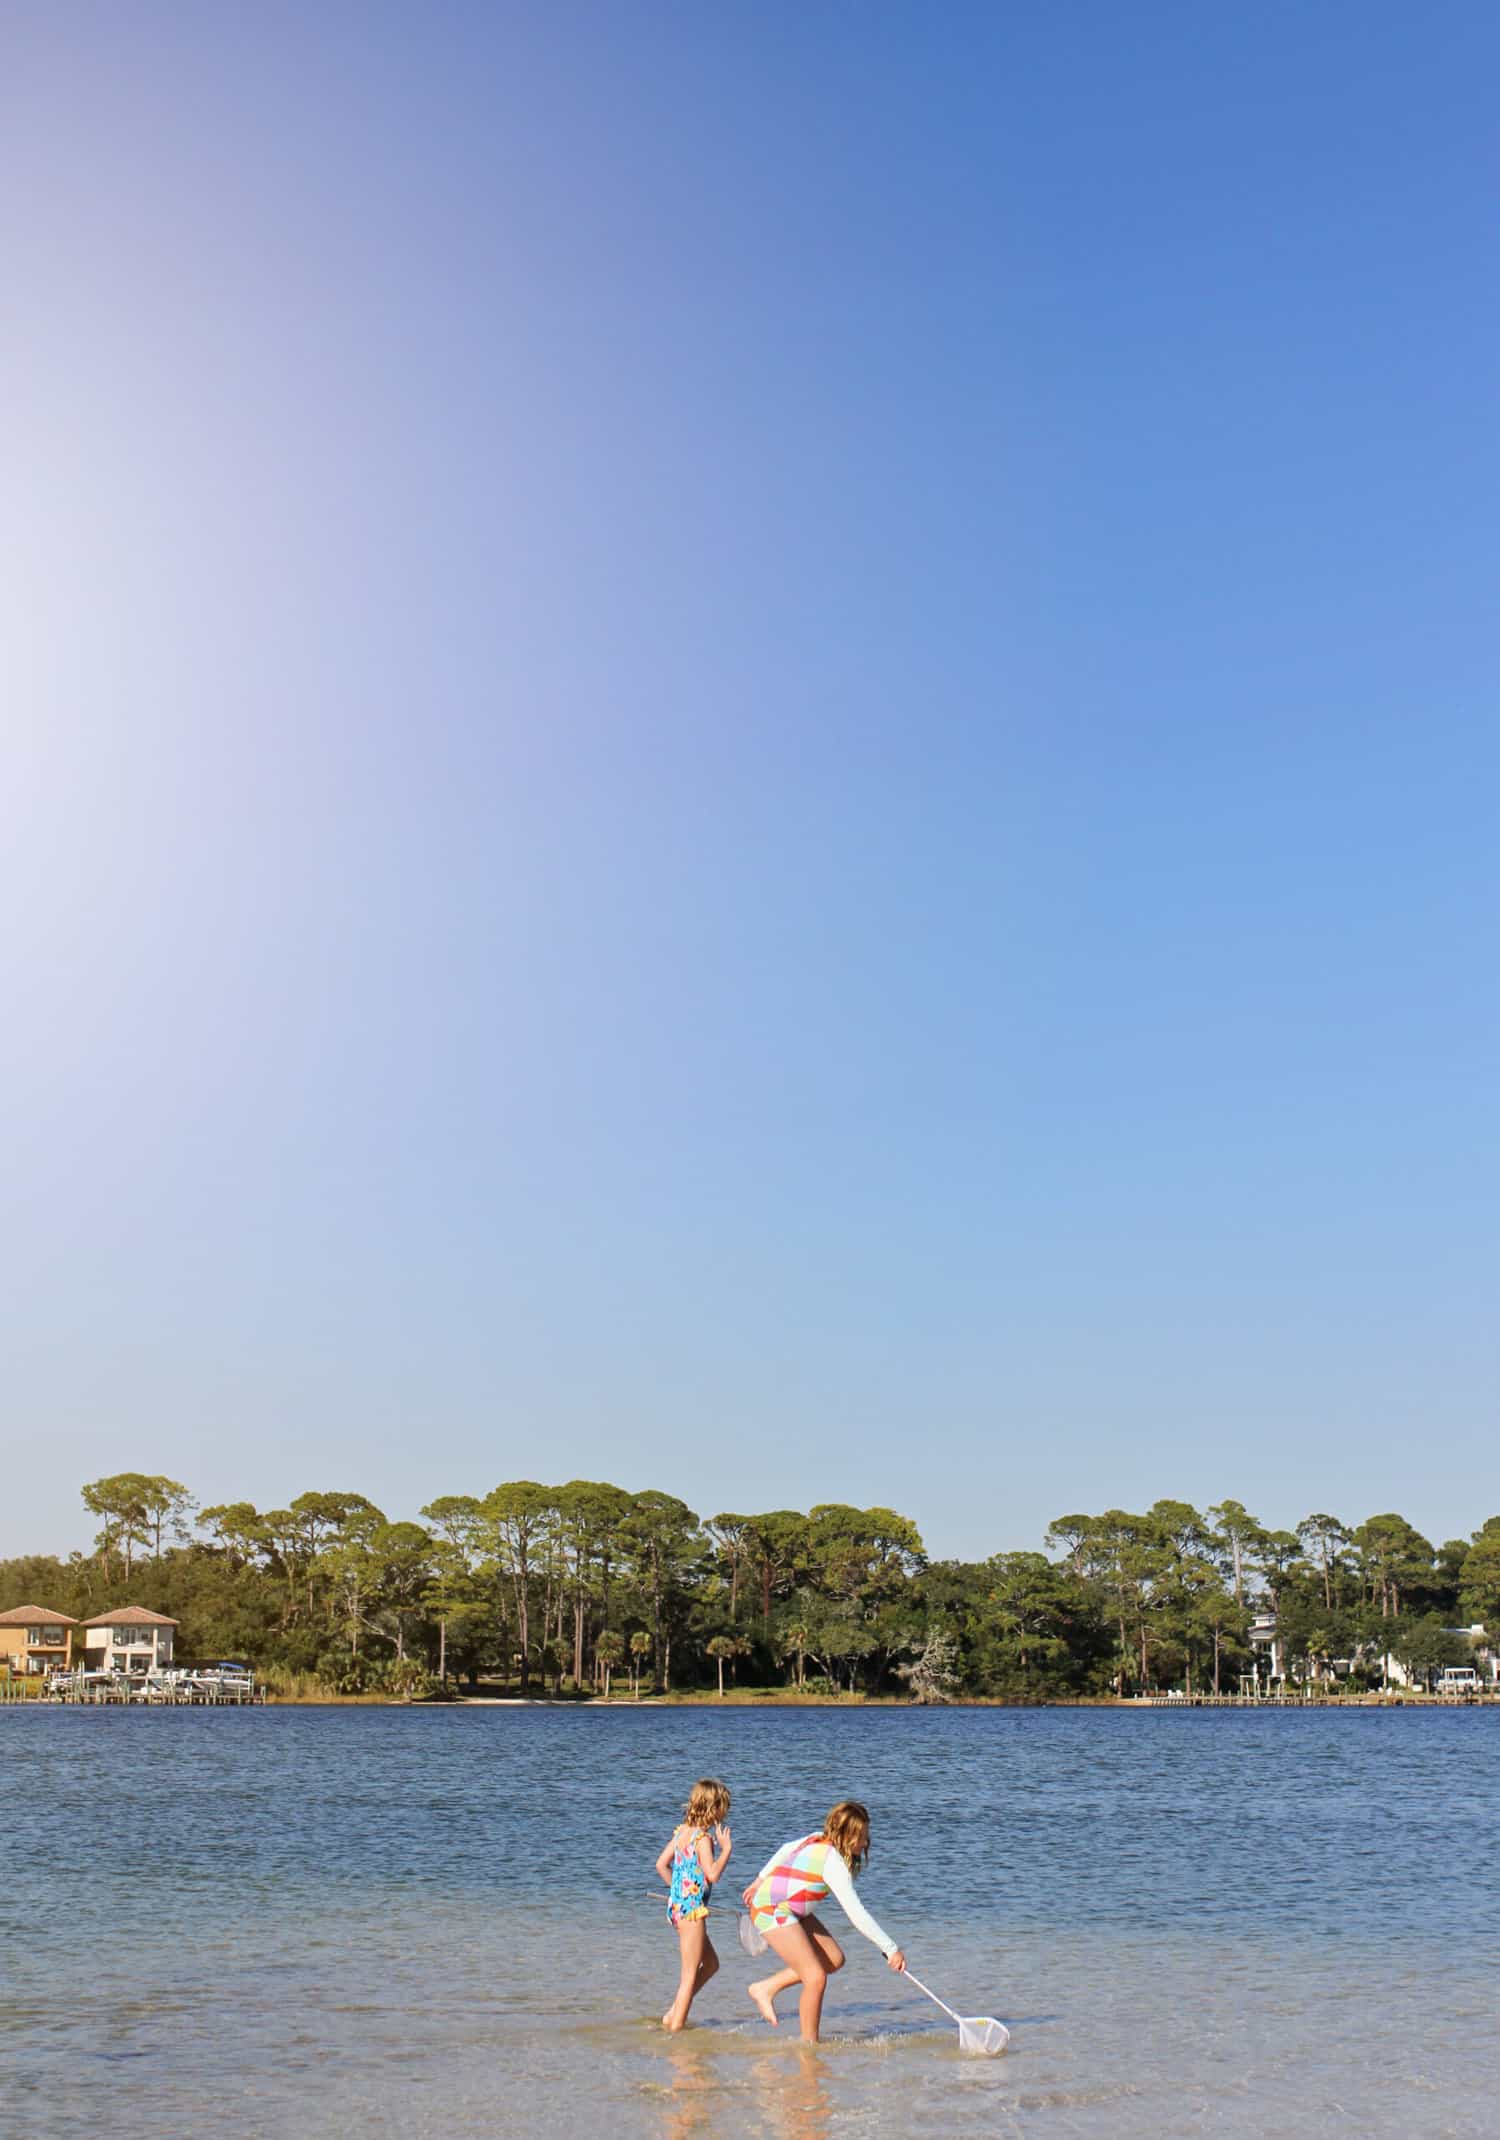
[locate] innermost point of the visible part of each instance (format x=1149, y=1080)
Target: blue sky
x=751, y=750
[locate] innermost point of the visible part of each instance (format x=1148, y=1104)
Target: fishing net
x=978, y=2034
x=982, y=2037
x=752, y=1941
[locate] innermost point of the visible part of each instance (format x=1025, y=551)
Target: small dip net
x=752, y=1941
x=982, y=2037
x=978, y=2034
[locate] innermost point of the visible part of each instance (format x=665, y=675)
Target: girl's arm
x=841, y=1886
x=713, y=1864
x=664, y=1862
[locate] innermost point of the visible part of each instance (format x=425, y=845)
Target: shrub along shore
x=589, y=1590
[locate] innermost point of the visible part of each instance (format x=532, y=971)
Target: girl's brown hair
x=848, y=1829
x=707, y=1803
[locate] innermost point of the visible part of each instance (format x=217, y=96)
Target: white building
x=130, y=1639
x=1269, y=1659
x=1483, y=1662
x=1265, y=1648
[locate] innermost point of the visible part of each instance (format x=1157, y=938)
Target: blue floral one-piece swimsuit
x=688, y=1896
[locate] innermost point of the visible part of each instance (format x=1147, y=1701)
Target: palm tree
x=640, y=1650
x=608, y=1651
x=730, y=1646
x=794, y=1641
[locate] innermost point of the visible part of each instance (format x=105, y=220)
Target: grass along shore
x=306, y=1691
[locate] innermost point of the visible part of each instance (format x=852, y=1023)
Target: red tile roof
x=35, y=1616
x=130, y=1616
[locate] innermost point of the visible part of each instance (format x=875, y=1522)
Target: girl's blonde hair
x=848, y=1829
x=707, y=1803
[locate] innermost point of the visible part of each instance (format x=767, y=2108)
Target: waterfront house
x=34, y=1638
x=1481, y=1644
x=130, y=1639
x=1267, y=1659
x=1269, y=1662
x=1452, y=1679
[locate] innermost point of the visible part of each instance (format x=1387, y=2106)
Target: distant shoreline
x=1155, y=1706
x=1154, y=1703
x=698, y=1699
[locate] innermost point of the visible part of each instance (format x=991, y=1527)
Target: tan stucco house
x=130, y=1639
x=34, y=1638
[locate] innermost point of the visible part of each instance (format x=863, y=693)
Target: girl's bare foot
x=762, y=2001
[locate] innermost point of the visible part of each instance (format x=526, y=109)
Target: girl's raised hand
x=722, y=1838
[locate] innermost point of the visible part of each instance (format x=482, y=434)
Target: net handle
x=932, y=1995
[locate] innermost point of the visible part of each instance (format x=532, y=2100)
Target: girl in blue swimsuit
x=696, y=1855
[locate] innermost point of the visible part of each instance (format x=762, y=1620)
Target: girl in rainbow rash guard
x=783, y=1900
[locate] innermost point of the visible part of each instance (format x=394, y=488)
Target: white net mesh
x=981, y=2036
x=978, y=2034
x=752, y=1941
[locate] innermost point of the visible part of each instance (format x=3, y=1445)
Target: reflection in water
x=695, y=2091
x=713, y=2086
x=795, y=2093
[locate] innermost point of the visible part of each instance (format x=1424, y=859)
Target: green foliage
x=136, y=1510
x=345, y=1674
x=723, y=1647
x=1479, y=1591
x=573, y=1584
x=1395, y=1562
x=609, y=1651
x=405, y=1678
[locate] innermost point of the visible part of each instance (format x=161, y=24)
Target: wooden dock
x=1397, y=1698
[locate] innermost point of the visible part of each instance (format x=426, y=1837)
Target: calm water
x=309, y=1923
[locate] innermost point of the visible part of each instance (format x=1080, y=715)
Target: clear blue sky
x=752, y=749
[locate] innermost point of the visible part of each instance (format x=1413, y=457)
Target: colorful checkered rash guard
x=798, y=1878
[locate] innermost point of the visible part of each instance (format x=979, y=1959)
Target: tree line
x=587, y=1585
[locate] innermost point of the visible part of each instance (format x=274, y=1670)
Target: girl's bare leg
x=810, y=1955
x=699, y=1963
x=767, y=1989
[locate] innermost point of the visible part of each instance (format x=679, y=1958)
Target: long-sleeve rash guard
x=798, y=1877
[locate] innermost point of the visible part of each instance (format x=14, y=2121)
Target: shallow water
x=309, y=1923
